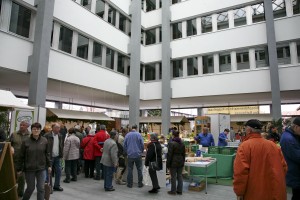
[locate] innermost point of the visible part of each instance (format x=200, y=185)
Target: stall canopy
x=8, y=99
x=157, y=119
x=80, y=115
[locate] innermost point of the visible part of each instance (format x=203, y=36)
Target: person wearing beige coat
x=71, y=155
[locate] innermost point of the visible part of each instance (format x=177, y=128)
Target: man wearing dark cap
x=290, y=145
x=259, y=167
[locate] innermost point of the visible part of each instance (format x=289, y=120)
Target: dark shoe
x=153, y=191
x=180, y=193
x=140, y=186
x=73, y=179
x=66, y=181
x=130, y=186
x=110, y=190
x=172, y=193
x=58, y=189
x=158, y=188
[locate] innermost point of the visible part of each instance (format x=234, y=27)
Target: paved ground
x=89, y=189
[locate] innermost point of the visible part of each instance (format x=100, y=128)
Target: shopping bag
x=48, y=187
x=146, y=176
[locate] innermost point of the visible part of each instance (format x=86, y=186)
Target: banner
x=234, y=110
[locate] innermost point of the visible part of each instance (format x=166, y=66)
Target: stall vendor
x=205, y=138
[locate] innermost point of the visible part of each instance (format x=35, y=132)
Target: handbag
x=154, y=165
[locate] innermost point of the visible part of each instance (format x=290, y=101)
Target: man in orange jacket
x=259, y=167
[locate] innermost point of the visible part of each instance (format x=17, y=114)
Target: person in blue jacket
x=223, y=139
x=205, y=138
x=290, y=146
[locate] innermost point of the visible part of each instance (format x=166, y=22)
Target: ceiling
x=70, y=93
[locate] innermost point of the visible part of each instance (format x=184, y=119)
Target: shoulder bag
x=154, y=165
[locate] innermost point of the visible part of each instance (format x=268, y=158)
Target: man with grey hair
x=259, y=167
x=16, y=140
x=290, y=145
x=99, y=140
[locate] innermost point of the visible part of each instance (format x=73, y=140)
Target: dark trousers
x=296, y=193
x=108, y=176
x=71, y=169
x=99, y=167
x=153, y=177
x=30, y=177
x=176, y=174
x=89, y=166
x=139, y=167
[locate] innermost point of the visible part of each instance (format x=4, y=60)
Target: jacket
x=16, y=140
x=110, y=153
x=134, y=144
x=50, y=139
x=222, y=140
x=176, y=154
x=34, y=155
x=152, y=154
x=259, y=170
x=206, y=140
x=290, y=145
x=71, y=147
x=101, y=136
x=87, y=145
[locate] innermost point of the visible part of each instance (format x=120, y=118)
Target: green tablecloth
x=225, y=166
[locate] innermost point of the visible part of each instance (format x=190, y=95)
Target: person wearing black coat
x=154, y=154
x=2, y=135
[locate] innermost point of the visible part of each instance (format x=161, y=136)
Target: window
x=149, y=72
x=242, y=59
x=110, y=57
x=142, y=36
x=177, y=68
x=121, y=63
x=0, y=5
x=296, y=6
x=222, y=20
x=20, y=20
x=177, y=30
x=298, y=51
x=208, y=64
x=82, y=47
x=150, y=36
x=65, y=39
x=192, y=66
x=261, y=57
x=258, y=13
x=278, y=8
x=100, y=8
x=191, y=27
x=206, y=24
x=283, y=54
x=150, y=5
x=122, y=22
x=239, y=17
x=97, y=53
x=160, y=71
x=225, y=62
x=160, y=34
x=86, y=4
x=176, y=1
x=112, y=15
x=141, y=72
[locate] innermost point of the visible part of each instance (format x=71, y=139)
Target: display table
x=224, y=166
x=202, y=165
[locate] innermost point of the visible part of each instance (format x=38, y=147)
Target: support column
x=133, y=89
x=117, y=19
x=39, y=61
x=231, y=18
x=156, y=71
x=214, y=22
x=106, y=8
x=184, y=67
x=5, y=15
x=216, y=63
x=103, y=56
x=93, y=6
x=249, y=15
x=199, y=26
x=184, y=28
x=74, y=43
x=252, y=61
x=56, y=32
x=233, y=61
x=200, y=65
x=293, y=51
x=166, y=72
x=274, y=76
x=289, y=8
x=115, y=61
x=90, y=50
x=156, y=35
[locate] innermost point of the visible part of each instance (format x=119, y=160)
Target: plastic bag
x=146, y=176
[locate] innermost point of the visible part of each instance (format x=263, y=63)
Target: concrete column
x=143, y=72
x=233, y=61
x=127, y=28
x=214, y=22
x=90, y=50
x=74, y=43
x=144, y=38
x=184, y=29
x=249, y=14
x=106, y=8
x=199, y=25
x=78, y=1
x=156, y=71
x=157, y=4
x=126, y=63
x=5, y=15
x=166, y=72
x=200, y=65
x=115, y=61
x=93, y=6
x=252, y=61
x=56, y=32
x=157, y=35
x=184, y=67
x=39, y=61
x=293, y=51
x=58, y=105
x=32, y=26
x=144, y=5
x=103, y=56
x=274, y=75
x=289, y=8
x=231, y=18
x=200, y=112
x=117, y=19
x=216, y=63
x=133, y=89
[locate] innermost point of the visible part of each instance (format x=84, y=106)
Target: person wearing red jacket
x=87, y=145
x=98, y=141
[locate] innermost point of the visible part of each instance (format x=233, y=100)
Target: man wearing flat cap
x=259, y=167
x=290, y=145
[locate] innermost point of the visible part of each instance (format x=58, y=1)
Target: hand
x=49, y=170
x=239, y=197
x=12, y=150
x=101, y=150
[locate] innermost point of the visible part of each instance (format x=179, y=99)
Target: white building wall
x=124, y=5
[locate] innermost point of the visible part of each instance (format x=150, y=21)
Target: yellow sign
x=234, y=110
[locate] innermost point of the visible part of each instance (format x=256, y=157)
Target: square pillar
x=90, y=50
x=200, y=65
x=56, y=32
x=216, y=63
x=233, y=61
x=199, y=25
x=231, y=18
x=74, y=43
x=252, y=61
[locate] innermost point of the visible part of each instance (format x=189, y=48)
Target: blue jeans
x=30, y=177
x=57, y=170
x=139, y=167
x=108, y=176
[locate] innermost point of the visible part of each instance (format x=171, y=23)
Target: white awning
x=157, y=119
x=80, y=115
x=8, y=99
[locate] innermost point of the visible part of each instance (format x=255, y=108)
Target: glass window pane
x=150, y=72
x=82, y=47
x=97, y=53
x=191, y=27
x=122, y=22
x=177, y=30
x=278, y=8
x=160, y=34
x=65, y=39
x=121, y=63
x=86, y=4
x=177, y=68
x=160, y=71
x=239, y=17
x=141, y=72
x=298, y=51
x=225, y=62
x=100, y=7
x=150, y=5
x=242, y=59
x=258, y=13
x=283, y=54
x=261, y=57
x=296, y=7
x=192, y=66
x=150, y=36
x=175, y=1
x=0, y=5
x=112, y=15
x=222, y=20
x=206, y=24
x=110, y=57
x=20, y=20
x=208, y=64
